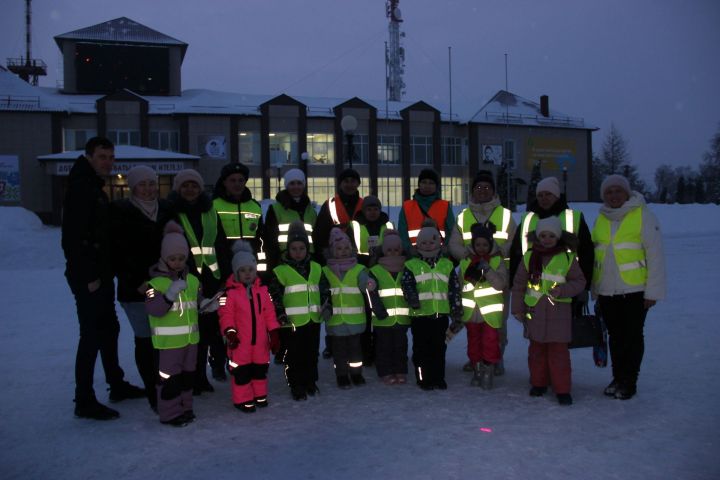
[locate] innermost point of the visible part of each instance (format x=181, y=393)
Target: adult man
x=86, y=244
x=628, y=277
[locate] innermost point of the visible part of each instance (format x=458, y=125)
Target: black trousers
x=391, y=347
x=347, y=350
x=428, y=349
x=99, y=330
x=624, y=316
x=301, y=358
x=210, y=340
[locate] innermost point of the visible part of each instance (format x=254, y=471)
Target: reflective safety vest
x=391, y=294
x=363, y=240
x=569, y=220
x=348, y=303
x=626, y=244
x=301, y=297
x=285, y=216
x=415, y=217
x=432, y=286
x=203, y=252
x=239, y=220
x=339, y=215
x=179, y=326
x=500, y=217
x=553, y=274
x=489, y=301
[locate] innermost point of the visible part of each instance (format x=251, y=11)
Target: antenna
x=28, y=68
x=395, y=53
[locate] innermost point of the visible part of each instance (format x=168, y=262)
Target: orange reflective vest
x=414, y=216
x=338, y=213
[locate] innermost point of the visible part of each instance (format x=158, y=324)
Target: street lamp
x=304, y=157
x=349, y=125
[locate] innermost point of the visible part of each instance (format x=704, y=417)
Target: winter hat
x=348, y=173
x=483, y=176
x=234, y=167
x=294, y=175
x=297, y=233
x=614, y=181
x=188, y=175
x=391, y=239
x=429, y=233
x=173, y=242
x=243, y=255
x=371, y=201
x=138, y=174
x=429, y=174
x=480, y=230
x=549, y=224
x=337, y=238
x=550, y=185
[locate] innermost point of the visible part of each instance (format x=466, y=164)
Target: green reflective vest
x=286, y=216
x=626, y=245
x=239, y=220
x=363, y=240
x=301, y=297
x=482, y=295
x=179, y=326
x=432, y=286
x=500, y=217
x=569, y=220
x=553, y=274
x=391, y=294
x=204, y=251
x=348, y=304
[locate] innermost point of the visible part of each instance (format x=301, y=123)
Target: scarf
x=149, y=208
x=392, y=264
x=539, y=253
x=340, y=266
x=471, y=273
x=617, y=214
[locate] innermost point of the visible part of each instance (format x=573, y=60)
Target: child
x=248, y=322
x=432, y=289
x=391, y=313
x=296, y=290
x=484, y=277
x=545, y=282
x=171, y=304
x=348, y=280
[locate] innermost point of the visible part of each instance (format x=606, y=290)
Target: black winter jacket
x=271, y=233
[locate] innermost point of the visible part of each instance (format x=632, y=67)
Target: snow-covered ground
x=670, y=430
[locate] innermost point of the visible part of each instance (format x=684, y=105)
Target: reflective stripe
x=632, y=266
x=286, y=227
x=163, y=375
x=233, y=237
x=338, y=290
x=181, y=330
x=183, y=305
x=502, y=233
x=302, y=288
x=150, y=293
x=431, y=276
x=432, y=296
x=232, y=364
x=348, y=310
x=333, y=211
x=261, y=267
x=533, y=293
x=497, y=307
x=394, y=312
x=627, y=246
x=552, y=277
x=213, y=267
x=355, y=364
x=302, y=310
x=525, y=230
x=486, y=292
x=282, y=238
x=261, y=255
x=202, y=250
x=569, y=221
x=468, y=287
x=222, y=301
x=413, y=233
x=390, y=292
x=467, y=236
x=468, y=303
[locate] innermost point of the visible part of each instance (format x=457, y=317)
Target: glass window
x=124, y=137
x=452, y=151
x=510, y=153
x=390, y=191
x=321, y=148
x=454, y=189
x=421, y=149
x=360, y=144
x=167, y=140
x=283, y=149
x=249, y=148
x=255, y=187
x=76, y=139
x=389, y=149
x=320, y=189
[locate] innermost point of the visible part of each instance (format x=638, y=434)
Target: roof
x=121, y=30
x=123, y=152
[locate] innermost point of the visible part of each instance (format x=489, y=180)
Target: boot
x=124, y=391
x=468, y=366
x=94, y=410
x=499, y=369
x=477, y=375
x=488, y=371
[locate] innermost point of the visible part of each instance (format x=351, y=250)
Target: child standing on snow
x=484, y=278
x=247, y=320
x=171, y=304
x=348, y=281
x=296, y=290
x=391, y=314
x=432, y=289
x=545, y=282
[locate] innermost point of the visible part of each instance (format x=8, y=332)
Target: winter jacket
x=135, y=245
x=277, y=289
x=324, y=223
x=412, y=297
x=374, y=229
x=179, y=316
x=246, y=196
x=271, y=230
x=482, y=212
x=86, y=226
x=550, y=321
x=610, y=282
x=250, y=312
x=425, y=203
x=497, y=278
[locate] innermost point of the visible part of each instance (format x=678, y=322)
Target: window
x=76, y=139
x=452, y=151
x=360, y=142
x=421, y=148
x=165, y=140
x=388, y=149
x=255, y=187
x=454, y=189
x=249, y=148
x=390, y=191
x=283, y=149
x=124, y=137
x=320, y=189
x=510, y=153
x=321, y=148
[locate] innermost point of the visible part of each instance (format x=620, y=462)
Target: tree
x=535, y=177
x=710, y=169
x=680, y=192
x=665, y=183
x=615, y=159
x=699, y=190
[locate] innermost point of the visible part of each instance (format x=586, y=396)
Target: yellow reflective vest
x=301, y=296
x=203, y=251
x=626, y=245
x=286, y=216
x=348, y=304
x=391, y=295
x=553, y=274
x=179, y=326
x=432, y=286
x=363, y=240
x=569, y=220
x=500, y=217
x=482, y=295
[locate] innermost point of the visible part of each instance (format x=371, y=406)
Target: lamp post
x=349, y=125
x=565, y=181
x=304, y=162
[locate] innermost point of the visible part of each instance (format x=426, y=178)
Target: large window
x=283, y=149
x=320, y=189
x=249, y=148
x=454, y=189
x=452, y=151
x=421, y=148
x=390, y=191
x=165, y=140
x=321, y=148
x=510, y=153
x=76, y=139
x=255, y=187
x=389, y=149
x=124, y=137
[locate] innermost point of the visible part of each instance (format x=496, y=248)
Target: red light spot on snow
x=486, y=430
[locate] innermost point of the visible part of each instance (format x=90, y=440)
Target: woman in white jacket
x=628, y=277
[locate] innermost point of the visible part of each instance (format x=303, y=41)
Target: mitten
x=452, y=330
x=174, y=289
x=209, y=305
x=232, y=339
x=275, y=341
x=283, y=319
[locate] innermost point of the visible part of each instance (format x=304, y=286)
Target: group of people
x=206, y=280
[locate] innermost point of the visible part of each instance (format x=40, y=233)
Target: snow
x=669, y=430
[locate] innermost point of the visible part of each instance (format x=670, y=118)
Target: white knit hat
x=615, y=181
x=243, y=255
x=549, y=224
x=187, y=175
x=138, y=174
x=550, y=185
x=294, y=174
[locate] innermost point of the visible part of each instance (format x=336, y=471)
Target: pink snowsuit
x=252, y=319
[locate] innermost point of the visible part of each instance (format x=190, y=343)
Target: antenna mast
x=28, y=68
x=395, y=54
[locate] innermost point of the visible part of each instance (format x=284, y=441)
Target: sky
x=650, y=67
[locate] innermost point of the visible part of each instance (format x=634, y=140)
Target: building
x=122, y=80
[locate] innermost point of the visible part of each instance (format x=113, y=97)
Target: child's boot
x=477, y=374
x=488, y=372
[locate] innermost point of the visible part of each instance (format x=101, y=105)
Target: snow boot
x=477, y=375
x=95, y=410
x=124, y=391
x=179, y=421
x=625, y=392
x=298, y=393
x=611, y=389
x=246, y=407
x=468, y=367
x=357, y=379
x=343, y=381
x=261, y=402
x=312, y=389
x=499, y=369
x=564, y=399
x=538, y=391
x=488, y=371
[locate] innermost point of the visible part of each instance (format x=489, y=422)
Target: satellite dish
x=397, y=14
x=349, y=123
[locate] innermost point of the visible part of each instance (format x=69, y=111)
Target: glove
x=232, y=339
x=209, y=305
x=452, y=330
x=482, y=266
x=275, y=341
x=283, y=319
x=175, y=288
x=371, y=285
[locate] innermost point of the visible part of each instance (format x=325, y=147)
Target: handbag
x=587, y=330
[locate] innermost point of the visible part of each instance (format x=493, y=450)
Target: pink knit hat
x=391, y=238
x=337, y=238
x=188, y=175
x=173, y=241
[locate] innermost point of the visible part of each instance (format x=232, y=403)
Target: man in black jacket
x=86, y=244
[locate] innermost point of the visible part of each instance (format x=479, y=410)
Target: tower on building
x=27, y=68
x=394, y=53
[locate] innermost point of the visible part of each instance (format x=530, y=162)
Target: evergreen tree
x=710, y=169
x=535, y=177
x=615, y=159
x=699, y=190
x=680, y=193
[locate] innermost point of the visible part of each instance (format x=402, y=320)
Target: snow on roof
x=124, y=152
x=120, y=30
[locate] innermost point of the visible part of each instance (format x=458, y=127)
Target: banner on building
x=492, y=153
x=121, y=168
x=212, y=145
x=9, y=179
x=553, y=153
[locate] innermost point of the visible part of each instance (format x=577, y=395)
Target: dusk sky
x=650, y=67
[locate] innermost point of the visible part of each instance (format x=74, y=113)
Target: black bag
x=587, y=330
